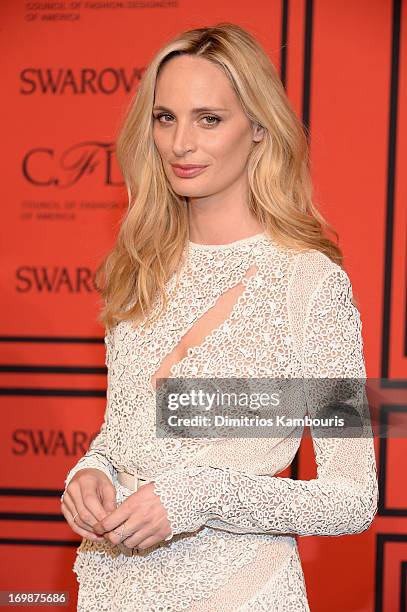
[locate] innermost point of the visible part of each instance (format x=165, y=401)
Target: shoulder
x=309, y=261
x=305, y=270
x=324, y=287
x=309, y=266
x=314, y=264
x=312, y=270
x=314, y=277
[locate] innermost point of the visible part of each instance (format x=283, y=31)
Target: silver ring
x=62, y=497
x=75, y=516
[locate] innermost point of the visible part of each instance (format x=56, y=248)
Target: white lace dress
x=264, y=311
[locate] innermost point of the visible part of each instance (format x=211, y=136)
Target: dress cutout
x=201, y=328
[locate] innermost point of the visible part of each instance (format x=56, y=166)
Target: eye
x=217, y=119
x=213, y=119
x=162, y=115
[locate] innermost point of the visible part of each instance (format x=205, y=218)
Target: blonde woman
x=222, y=268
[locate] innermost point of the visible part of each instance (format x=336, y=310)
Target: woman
x=220, y=269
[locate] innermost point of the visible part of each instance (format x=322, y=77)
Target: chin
x=188, y=192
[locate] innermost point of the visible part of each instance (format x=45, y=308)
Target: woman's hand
x=89, y=497
x=139, y=522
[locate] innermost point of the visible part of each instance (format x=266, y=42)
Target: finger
x=75, y=493
x=129, y=529
x=89, y=535
x=85, y=515
x=136, y=532
x=92, y=500
x=151, y=541
x=108, y=497
x=141, y=535
x=149, y=537
x=118, y=534
x=70, y=505
x=116, y=518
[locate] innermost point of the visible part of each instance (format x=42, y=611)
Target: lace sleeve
x=95, y=457
x=343, y=497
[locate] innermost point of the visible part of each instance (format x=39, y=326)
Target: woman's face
x=198, y=119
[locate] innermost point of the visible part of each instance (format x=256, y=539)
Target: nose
x=183, y=139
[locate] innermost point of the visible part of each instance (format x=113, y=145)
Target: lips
x=188, y=170
x=186, y=166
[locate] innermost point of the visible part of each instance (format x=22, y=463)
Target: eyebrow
x=202, y=109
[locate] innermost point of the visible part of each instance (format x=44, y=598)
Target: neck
x=217, y=224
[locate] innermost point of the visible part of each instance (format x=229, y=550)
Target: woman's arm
x=95, y=457
x=343, y=497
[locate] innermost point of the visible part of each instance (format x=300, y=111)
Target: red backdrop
x=69, y=71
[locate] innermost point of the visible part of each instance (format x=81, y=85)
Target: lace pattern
x=294, y=318
x=163, y=585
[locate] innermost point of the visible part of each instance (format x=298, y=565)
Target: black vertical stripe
x=382, y=540
x=306, y=105
x=391, y=174
x=307, y=72
x=403, y=586
x=284, y=42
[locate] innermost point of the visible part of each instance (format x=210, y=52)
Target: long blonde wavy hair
x=154, y=230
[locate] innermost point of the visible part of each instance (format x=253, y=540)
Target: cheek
x=230, y=150
x=233, y=138
x=160, y=141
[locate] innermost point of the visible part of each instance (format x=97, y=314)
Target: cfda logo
x=44, y=167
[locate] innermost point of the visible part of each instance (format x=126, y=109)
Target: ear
x=258, y=132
